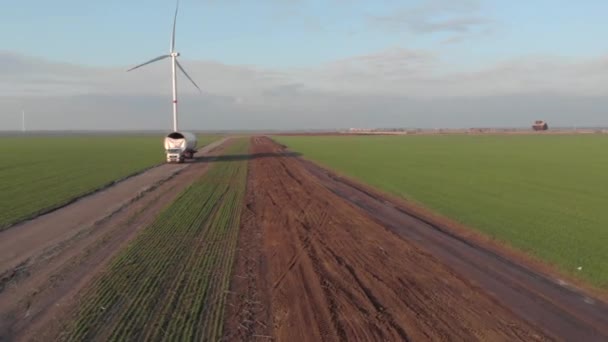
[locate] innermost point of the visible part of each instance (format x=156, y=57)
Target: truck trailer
x=180, y=146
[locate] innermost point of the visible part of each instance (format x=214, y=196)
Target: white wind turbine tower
x=23, y=120
x=174, y=63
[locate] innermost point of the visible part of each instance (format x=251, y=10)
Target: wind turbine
x=23, y=120
x=174, y=63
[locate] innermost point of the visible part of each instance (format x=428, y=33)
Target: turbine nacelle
x=174, y=54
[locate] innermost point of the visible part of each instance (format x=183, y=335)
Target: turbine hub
x=174, y=54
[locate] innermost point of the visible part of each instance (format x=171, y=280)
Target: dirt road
x=314, y=267
x=45, y=261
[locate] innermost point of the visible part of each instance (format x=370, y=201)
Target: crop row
x=171, y=282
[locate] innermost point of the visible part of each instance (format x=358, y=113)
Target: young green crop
x=170, y=283
x=41, y=173
x=546, y=195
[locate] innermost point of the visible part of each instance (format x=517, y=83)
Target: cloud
x=24, y=76
x=415, y=73
x=310, y=111
x=396, y=71
x=285, y=90
x=391, y=87
x=460, y=17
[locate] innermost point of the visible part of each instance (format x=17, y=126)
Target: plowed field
x=331, y=272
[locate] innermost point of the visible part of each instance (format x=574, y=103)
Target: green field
x=546, y=195
x=171, y=282
x=38, y=173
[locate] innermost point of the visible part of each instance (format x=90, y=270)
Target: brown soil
x=45, y=262
x=532, y=290
x=459, y=231
x=326, y=269
x=248, y=306
x=320, y=257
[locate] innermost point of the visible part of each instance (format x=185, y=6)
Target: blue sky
x=306, y=63
x=295, y=33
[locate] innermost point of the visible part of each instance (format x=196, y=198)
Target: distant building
x=540, y=125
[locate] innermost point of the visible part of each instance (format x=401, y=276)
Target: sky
x=304, y=64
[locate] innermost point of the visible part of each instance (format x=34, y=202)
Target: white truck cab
x=180, y=146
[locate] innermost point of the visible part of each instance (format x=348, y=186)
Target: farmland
x=40, y=173
x=172, y=279
x=545, y=195
x=251, y=242
x=331, y=272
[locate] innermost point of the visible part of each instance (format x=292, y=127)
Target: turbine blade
x=150, y=61
x=185, y=73
x=174, y=23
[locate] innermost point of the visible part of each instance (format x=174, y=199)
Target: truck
x=180, y=146
x=540, y=125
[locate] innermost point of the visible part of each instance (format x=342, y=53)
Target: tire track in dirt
x=333, y=273
x=533, y=295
